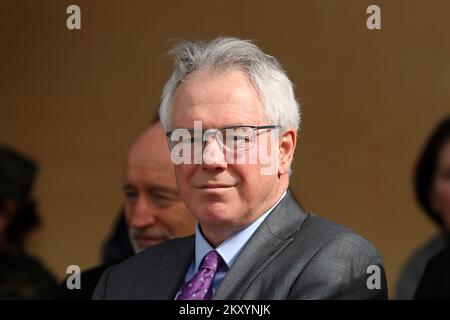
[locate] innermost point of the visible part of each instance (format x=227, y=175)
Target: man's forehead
x=150, y=163
x=150, y=148
x=149, y=175
x=225, y=99
x=137, y=162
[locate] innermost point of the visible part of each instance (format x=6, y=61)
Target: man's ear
x=288, y=141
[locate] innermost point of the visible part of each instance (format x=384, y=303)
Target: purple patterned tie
x=200, y=286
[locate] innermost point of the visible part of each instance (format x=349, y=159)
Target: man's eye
x=240, y=138
x=161, y=198
x=130, y=194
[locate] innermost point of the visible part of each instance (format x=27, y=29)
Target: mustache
x=150, y=233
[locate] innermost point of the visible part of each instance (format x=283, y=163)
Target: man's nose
x=213, y=155
x=144, y=214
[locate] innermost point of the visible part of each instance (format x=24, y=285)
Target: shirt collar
x=230, y=248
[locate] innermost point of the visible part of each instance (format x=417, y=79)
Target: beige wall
x=75, y=99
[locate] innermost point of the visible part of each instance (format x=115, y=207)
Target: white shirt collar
x=231, y=247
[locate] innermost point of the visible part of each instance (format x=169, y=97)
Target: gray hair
x=264, y=71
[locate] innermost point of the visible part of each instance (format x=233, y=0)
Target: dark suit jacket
x=292, y=255
x=435, y=282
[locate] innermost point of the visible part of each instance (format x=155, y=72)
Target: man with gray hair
x=252, y=241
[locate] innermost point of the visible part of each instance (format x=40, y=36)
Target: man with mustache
x=153, y=210
x=253, y=241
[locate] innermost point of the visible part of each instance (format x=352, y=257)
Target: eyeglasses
x=230, y=139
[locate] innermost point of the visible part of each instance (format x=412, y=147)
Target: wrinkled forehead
x=149, y=180
x=144, y=169
x=218, y=100
x=150, y=149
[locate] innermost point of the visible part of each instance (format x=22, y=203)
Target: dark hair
x=426, y=169
x=25, y=220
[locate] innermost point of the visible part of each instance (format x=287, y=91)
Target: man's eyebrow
x=127, y=186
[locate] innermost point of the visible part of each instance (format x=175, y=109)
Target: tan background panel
x=74, y=100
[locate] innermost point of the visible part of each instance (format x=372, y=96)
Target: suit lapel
x=271, y=237
x=167, y=276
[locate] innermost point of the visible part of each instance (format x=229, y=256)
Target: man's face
x=153, y=209
x=221, y=195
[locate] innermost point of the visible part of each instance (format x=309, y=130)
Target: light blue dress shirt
x=229, y=249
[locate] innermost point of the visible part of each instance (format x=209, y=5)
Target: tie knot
x=212, y=261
